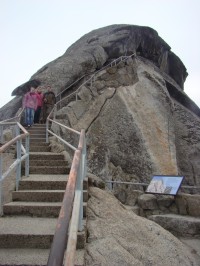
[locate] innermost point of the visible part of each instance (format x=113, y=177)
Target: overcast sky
x=35, y=32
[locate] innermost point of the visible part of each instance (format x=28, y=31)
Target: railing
x=72, y=206
x=73, y=197
x=144, y=185
x=70, y=219
x=16, y=118
x=92, y=78
x=20, y=150
x=59, y=95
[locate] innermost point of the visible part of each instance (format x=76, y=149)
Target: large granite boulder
x=100, y=46
x=117, y=236
x=138, y=120
x=134, y=125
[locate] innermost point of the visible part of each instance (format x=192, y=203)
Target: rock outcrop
x=117, y=236
x=139, y=123
x=100, y=46
x=138, y=120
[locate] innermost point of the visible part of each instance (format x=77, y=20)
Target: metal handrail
x=72, y=205
x=110, y=182
x=114, y=62
x=76, y=81
x=17, y=163
x=16, y=118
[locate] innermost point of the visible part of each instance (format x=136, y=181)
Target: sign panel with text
x=162, y=184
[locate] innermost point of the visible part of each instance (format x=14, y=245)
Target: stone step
x=38, y=209
x=48, y=163
x=43, y=144
x=24, y=256
x=39, y=148
x=42, y=139
x=37, y=127
x=36, y=136
x=43, y=182
x=45, y=156
x=37, y=132
x=35, y=144
x=38, y=182
x=49, y=170
x=42, y=195
x=31, y=232
x=179, y=225
x=38, y=195
x=26, y=232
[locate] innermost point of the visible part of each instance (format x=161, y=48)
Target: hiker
x=30, y=105
x=49, y=101
x=40, y=97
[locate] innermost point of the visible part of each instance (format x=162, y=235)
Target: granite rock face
x=138, y=120
x=117, y=236
x=100, y=46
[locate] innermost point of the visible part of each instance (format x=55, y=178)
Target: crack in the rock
x=94, y=119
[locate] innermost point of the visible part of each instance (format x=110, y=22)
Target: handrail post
x=47, y=127
x=27, y=158
x=54, y=111
x=1, y=132
x=84, y=157
x=60, y=237
x=79, y=186
x=18, y=172
x=1, y=184
x=60, y=101
x=19, y=144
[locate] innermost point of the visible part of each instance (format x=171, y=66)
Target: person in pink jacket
x=30, y=105
x=40, y=97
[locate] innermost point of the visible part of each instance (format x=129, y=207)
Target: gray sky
x=35, y=32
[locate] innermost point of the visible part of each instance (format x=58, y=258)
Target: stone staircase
x=28, y=225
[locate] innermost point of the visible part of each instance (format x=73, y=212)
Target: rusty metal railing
x=22, y=154
x=16, y=118
x=91, y=79
x=70, y=219
x=72, y=208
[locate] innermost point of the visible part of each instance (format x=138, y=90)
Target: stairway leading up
x=28, y=225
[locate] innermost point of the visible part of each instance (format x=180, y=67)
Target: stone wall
x=145, y=204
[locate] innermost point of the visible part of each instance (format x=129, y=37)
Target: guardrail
x=73, y=197
x=70, y=219
x=16, y=118
x=22, y=154
x=72, y=206
x=91, y=79
x=111, y=183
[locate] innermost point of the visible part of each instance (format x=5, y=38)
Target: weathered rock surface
x=11, y=108
x=117, y=236
x=188, y=204
x=132, y=125
x=179, y=225
x=187, y=128
x=94, y=49
x=138, y=120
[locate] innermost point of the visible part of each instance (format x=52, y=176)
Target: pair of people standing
x=35, y=103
